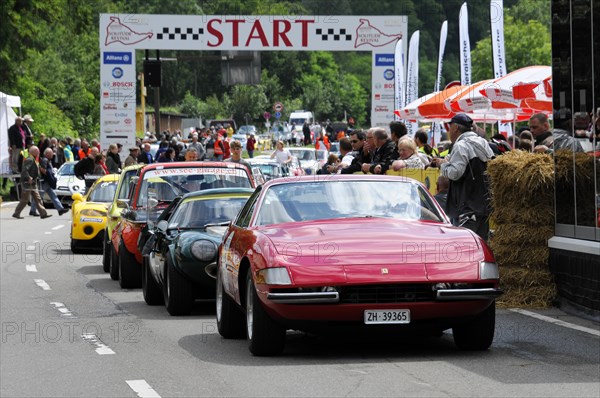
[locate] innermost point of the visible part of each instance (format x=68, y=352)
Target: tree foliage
x=49, y=55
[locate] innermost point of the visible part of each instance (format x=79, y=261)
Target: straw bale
x=534, y=257
x=521, y=235
x=541, y=216
x=522, y=178
x=526, y=288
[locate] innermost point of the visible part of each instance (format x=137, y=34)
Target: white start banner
x=378, y=34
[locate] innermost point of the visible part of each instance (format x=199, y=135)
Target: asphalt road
x=68, y=330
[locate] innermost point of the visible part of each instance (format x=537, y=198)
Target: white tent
x=7, y=119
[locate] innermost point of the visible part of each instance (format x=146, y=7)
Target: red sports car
x=157, y=185
x=352, y=250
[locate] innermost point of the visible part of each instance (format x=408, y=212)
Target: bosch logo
x=122, y=84
x=388, y=74
x=388, y=85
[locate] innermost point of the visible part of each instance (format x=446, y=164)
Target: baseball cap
x=462, y=119
x=28, y=118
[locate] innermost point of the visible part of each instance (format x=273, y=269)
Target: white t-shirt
x=282, y=156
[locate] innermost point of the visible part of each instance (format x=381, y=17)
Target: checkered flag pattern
x=330, y=33
x=179, y=33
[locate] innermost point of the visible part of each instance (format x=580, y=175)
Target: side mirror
x=122, y=203
x=152, y=202
x=162, y=225
x=77, y=197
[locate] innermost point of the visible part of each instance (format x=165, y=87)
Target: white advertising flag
x=498, y=55
x=435, y=127
x=465, y=46
x=412, y=78
x=399, y=94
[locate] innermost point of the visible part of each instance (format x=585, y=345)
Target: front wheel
x=266, y=337
x=130, y=272
x=230, y=320
x=106, y=252
x=478, y=333
x=114, y=264
x=152, y=293
x=178, y=291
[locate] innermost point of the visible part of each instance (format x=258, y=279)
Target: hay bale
x=521, y=235
x=526, y=288
x=535, y=257
x=543, y=216
x=521, y=179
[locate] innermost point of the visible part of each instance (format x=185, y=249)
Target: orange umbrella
x=436, y=107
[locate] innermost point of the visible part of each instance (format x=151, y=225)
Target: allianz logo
x=382, y=58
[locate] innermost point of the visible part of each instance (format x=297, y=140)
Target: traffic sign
x=267, y=115
x=278, y=107
x=277, y=115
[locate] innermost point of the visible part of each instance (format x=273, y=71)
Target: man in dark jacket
x=48, y=183
x=384, y=154
x=357, y=140
x=16, y=137
x=468, y=202
x=29, y=179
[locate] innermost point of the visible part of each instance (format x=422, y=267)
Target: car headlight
x=93, y=213
x=273, y=276
x=488, y=270
x=204, y=250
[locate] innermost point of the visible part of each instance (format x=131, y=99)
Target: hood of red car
x=363, y=241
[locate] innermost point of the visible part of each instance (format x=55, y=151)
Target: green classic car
x=114, y=212
x=180, y=250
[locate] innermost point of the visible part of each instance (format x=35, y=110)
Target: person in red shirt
x=250, y=145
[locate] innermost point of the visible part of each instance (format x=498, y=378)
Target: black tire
x=106, y=252
x=265, y=336
x=74, y=248
x=230, y=319
x=114, y=264
x=152, y=293
x=130, y=272
x=178, y=291
x=478, y=333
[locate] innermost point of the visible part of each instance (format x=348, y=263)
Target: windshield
x=165, y=184
x=303, y=154
x=124, y=190
x=103, y=192
x=322, y=155
x=67, y=169
x=346, y=199
x=198, y=212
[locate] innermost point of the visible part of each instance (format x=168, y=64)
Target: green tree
x=247, y=100
x=528, y=43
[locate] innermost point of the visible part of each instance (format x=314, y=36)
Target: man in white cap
x=27, y=125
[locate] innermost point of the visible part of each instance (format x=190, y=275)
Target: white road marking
x=58, y=227
x=30, y=268
x=142, y=389
x=101, y=348
x=48, y=233
x=63, y=310
x=36, y=241
x=41, y=283
x=9, y=204
x=31, y=247
x=557, y=321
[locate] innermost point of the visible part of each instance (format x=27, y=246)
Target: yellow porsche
x=89, y=214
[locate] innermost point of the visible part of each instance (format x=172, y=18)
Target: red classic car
x=352, y=250
x=157, y=185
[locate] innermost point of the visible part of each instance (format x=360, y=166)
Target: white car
x=307, y=158
x=241, y=137
x=66, y=185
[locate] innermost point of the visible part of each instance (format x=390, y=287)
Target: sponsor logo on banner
x=109, y=107
x=109, y=122
x=377, y=97
x=106, y=84
x=121, y=114
x=384, y=60
x=117, y=58
x=127, y=121
x=122, y=84
x=382, y=108
x=388, y=74
x=118, y=32
x=117, y=73
x=105, y=94
x=367, y=34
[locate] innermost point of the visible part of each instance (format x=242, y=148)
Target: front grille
x=399, y=293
